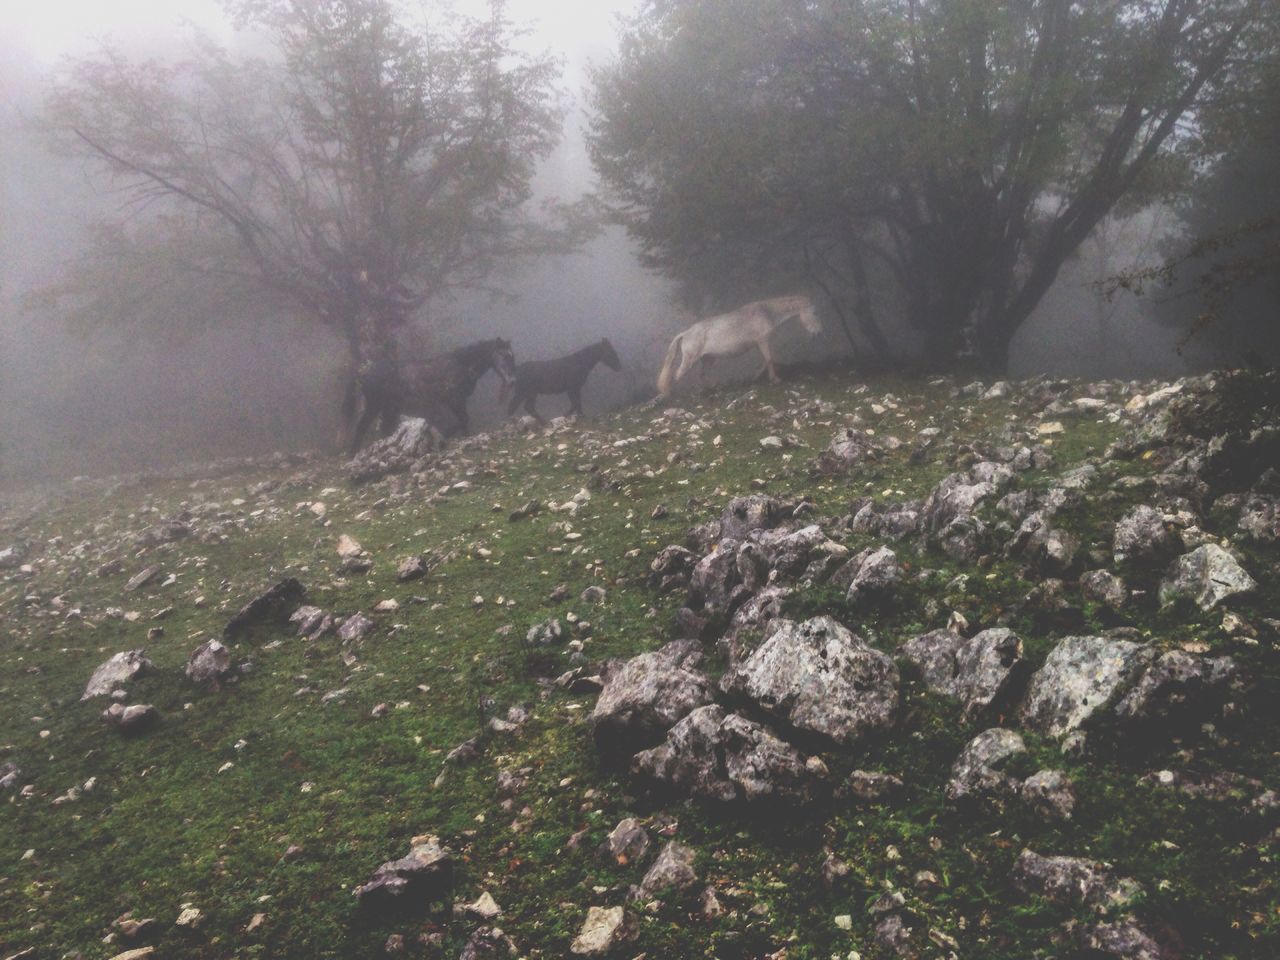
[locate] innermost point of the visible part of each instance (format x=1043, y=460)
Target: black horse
x=565, y=375
x=390, y=388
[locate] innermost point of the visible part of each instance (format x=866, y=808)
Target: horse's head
x=502, y=360
x=808, y=316
x=608, y=355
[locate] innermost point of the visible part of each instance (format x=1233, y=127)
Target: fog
x=73, y=402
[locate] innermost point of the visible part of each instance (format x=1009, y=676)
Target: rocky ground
x=825, y=670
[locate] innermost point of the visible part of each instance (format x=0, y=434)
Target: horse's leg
x=530, y=409
x=464, y=420
x=517, y=398
x=575, y=401
x=768, y=360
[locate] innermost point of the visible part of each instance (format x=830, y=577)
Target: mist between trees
x=203, y=245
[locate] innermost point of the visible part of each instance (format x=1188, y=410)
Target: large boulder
x=1179, y=687
x=976, y=775
x=713, y=755
x=117, y=671
x=424, y=874
x=132, y=719
x=1260, y=518
x=819, y=677
x=671, y=568
x=413, y=439
x=1123, y=939
x=893, y=522
x=984, y=673
x=1081, y=677
x=792, y=553
x=645, y=698
x=272, y=606
x=1208, y=575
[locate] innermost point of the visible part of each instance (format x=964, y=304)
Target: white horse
x=730, y=334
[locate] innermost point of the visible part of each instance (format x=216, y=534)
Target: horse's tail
x=667, y=376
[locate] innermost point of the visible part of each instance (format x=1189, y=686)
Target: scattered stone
x=209, y=664
x=1104, y=587
x=1124, y=940
x=870, y=577
x=672, y=870
x=1260, y=518
x=627, y=843
x=190, y=917
x=976, y=777
x=133, y=719
x=355, y=628
x=144, y=578
x=1081, y=677
x=1048, y=550
x=548, y=633
x=412, y=568
x=848, y=449
x=671, y=568
x=1208, y=575
x=820, y=677
x=412, y=440
x=871, y=787
x=1073, y=881
x=604, y=929
x=116, y=672
x=424, y=874
x=483, y=908
x=1050, y=793
x=138, y=953
x=1178, y=687
x=274, y=605
x=487, y=943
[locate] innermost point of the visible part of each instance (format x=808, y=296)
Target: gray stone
x=9, y=775
x=712, y=755
x=412, y=440
x=848, y=449
x=1123, y=939
x=871, y=787
x=643, y=699
x=412, y=568
x=425, y=873
x=1073, y=881
x=355, y=628
x=605, y=929
x=209, y=663
x=1103, y=586
x=1142, y=535
x=1178, y=686
x=132, y=719
x=1081, y=677
x=672, y=870
x=960, y=494
x=548, y=633
x=963, y=539
x=820, y=677
x=269, y=607
x=975, y=775
x=627, y=843
x=983, y=673
x=672, y=567
x=1260, y=518
x=1208, y=575
x=1050, y=793
x=487, y=943
x=892, y=522
x=1045, y=548
x=116, y=672
x=871, y=576
x=755, y=512
x=144, y=578
x=714, y=577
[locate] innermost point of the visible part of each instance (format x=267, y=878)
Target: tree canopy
x=956, y=152
x=355, y=169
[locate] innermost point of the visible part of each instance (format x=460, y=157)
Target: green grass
x=163, y=826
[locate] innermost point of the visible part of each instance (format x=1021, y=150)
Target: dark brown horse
x=417, y=387
x=565, y=375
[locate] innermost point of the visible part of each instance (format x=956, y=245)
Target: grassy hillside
x=201, y=809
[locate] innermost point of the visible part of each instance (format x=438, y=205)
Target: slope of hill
x=1090, y=570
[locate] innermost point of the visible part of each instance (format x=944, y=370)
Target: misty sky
x=49, y=29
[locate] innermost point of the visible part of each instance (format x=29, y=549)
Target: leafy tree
x=356, y=170
x=960, y=149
